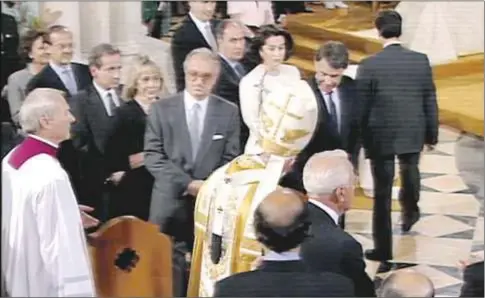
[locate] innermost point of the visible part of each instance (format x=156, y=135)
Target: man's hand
x=289, y=165
x=116, y=177
x=256, y=263
x=136, y=160
x=87, y=220
x=194, y=187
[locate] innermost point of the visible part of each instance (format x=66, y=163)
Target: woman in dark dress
x=124, y=148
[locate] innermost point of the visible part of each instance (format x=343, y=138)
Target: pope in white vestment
x=224, y=238
x=44, y=250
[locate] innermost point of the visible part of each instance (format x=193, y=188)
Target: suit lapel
x=77, y=76
x=51, y=75
x=210, y=127
x=181, y=128
x=98, y=117
x=343, y=94
x=230, y=72
x=196, y=29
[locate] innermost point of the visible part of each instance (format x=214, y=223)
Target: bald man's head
x=407, y=284
x=281, y=220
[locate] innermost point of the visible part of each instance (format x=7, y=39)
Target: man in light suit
x=188, y=136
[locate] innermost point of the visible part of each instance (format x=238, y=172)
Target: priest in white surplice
x=44, y=251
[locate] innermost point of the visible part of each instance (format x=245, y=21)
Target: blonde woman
x=124, y=148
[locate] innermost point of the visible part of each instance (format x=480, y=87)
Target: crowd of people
x=77, y=141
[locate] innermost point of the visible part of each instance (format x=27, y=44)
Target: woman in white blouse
x=270, y=48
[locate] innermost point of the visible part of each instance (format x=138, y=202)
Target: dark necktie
x=111, y=104
x=239, y=70
x=333, y=112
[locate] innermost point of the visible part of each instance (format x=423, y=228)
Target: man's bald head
x=407, y=284
x=281, y=221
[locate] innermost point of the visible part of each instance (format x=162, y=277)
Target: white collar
x=326, y=209
x=283, y=256
x=44, y=140
x=388, y=43
x=103, y=92
x=189, y=101
x=200, y=24
x=60, y=68
x=232, y=63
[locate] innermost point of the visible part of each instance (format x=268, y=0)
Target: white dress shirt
x=202, y=27
x=336, y=100
x=189, y=102
x=327, y=210
x=103, y=93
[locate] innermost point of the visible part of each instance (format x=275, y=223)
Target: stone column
x=71, y=19
x=95, y=25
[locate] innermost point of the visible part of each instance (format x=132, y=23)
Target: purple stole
x=29, y=148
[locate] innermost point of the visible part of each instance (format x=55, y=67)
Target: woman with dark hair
x=270, y=48
x=33, y=52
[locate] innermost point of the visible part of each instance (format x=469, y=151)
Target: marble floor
x=451, y=225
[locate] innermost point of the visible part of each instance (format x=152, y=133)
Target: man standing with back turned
x=399, y=116
x=44, y=251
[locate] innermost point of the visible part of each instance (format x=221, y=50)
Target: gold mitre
x=288, y=118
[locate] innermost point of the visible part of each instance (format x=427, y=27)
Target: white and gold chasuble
x=226, y=203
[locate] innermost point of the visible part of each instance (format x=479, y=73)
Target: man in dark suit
x=61, y=73
x=281, y=224
x=69, y=77
x=188, y=136
x=231, y=42
x=94, y=109
x=399, y=117
x=196, y=31
x=329, y=180
x=338, y=110
x=472, y=280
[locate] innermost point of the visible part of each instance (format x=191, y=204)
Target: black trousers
x=383, y=173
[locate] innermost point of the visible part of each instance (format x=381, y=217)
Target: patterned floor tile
x=445, y=183
x=432, y=163
x=448, y=148
x=440, y=225
x=447, y=135
x=478, y=233
x=448, y=204
x=430, y=251
x=450, y=291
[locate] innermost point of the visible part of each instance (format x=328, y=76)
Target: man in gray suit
x=188, y=136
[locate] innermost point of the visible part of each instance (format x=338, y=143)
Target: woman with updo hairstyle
x=270, y=48
x=124, y=147
x=33, y=52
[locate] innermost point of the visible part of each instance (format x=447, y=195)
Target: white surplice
x=44, y=250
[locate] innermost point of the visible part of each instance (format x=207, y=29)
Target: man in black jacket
x=281, y=223
x=231, y=41
x=197, y=31
x=329, y=180
x=399, y=116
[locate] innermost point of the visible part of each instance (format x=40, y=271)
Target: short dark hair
x=27, y=42
x=335, y=53
x=55, y=29
x=99, y=51
x=280, y=238
x=264, y=32
x=389, y=24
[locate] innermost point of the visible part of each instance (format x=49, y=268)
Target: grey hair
x=204, y=52
x=99, y=51
x=41, y=102
x=326, y=171
x=335, y=53
x=222, y=26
